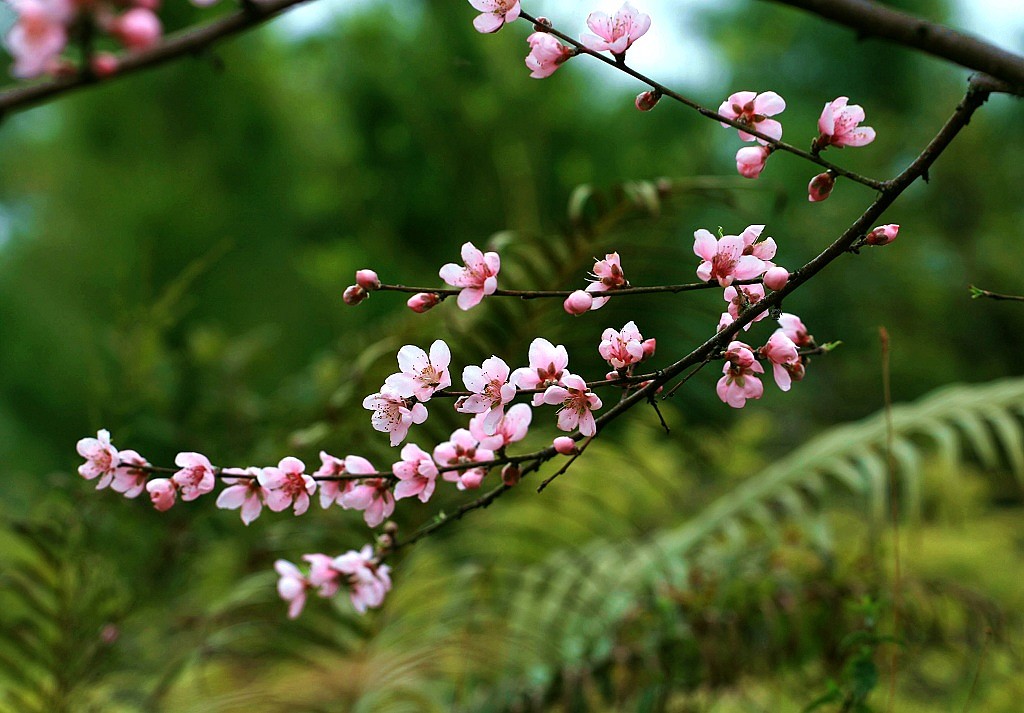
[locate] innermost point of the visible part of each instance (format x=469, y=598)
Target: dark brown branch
x=704, y=111
x=871, y=19
x=192, y=41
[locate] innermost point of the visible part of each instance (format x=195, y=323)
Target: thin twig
x=977, y=292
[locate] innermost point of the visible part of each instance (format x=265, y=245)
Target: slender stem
x=538, y=294
x=704, y=111
x=977, y=292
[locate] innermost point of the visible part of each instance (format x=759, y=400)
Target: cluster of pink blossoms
x=365, y=578
x=40, y=35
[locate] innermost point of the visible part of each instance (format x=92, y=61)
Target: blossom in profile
x=130, y=477
x=839, y=125
x=291, y=586
x=422, y=374
x=477, y=278
x=373, y=497
x=512, y=427
x=607, y=275
x=615, y=33
x=244, y=493
x=196, y=476
x=754, y=110
x=416, y=473
x=740, y=381
x=724, y=259
x=331, y=491
x=751, y=160
x=287, y=485
x=393, y=413
x=491, y=391
x=163, y=493
x=795, y=330
x=494, y=14
x=368, y=581
x=546, y=54
x=784, y=357
x=547, y=364
x=577, y=403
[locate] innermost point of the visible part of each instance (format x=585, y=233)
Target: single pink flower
x=163, y=492
x=331, y=491
x=579, y=302
x=839, y=125
x=196, y=476
x=462, y=450
x=138, y=29
x=393, y=413
x=820, y=187
x=547, y=364
x=725, y=259
x=291, y=586
x=287, y=484
x=494, y=14
x=512, y=427
x=546, y=55
x=422, y=375
x=39, y=36
x=101, y=458
x=416, y=472
x=740, y=299
x=244, y=493
x=753, y=245
x=739, y=382
x=617, y=33
x=130, y=478
x=373, y=497
x=621, y=349
x=783, y=354
x=577, y=403
x=323, y=575
x=367, y=580
x=491, y=391
x=607, y=275
x=477, y=278
x=882, y=235
x=750, y=160
x=795, y=330
x=753, y=110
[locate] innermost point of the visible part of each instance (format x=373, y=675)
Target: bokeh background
x=173, y=249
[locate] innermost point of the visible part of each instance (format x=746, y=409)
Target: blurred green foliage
x=173, y=249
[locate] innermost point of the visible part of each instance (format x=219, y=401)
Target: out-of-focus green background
x=173, y=249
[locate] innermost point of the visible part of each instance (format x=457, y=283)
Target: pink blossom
x=761, y=249
x=138, y=29
x=783, y=354
x=740, y=299
x=368, y=280
x=393, y=413
x=795, y=330
x=547, y=364
x=820, y=187
x=287, y=484
x=725, y=259
x=615, y=34
x=416, y=472
x=607, y=275
x=291, y=586
x=750, y=160
x=245, y=493
x=839, y=125
x=39, y=36
x=620, y=349
x=546, y=55
x=196, y=476
x=579, y=302
x=512, y=427
x=101, y=458
x=753, y=110
x=373, y=498
x=882, y=235
x=776, y=278
x=577, y=403
x=323, y=575
x=422, y=301
x=494, y=14
x=130, y=478
x=331, y=491
x=163, y=492
x=477, y=278
x=564, y=445
x=491, y=391
x=740, y=382
x=422, y=375
x=462, y=450
x=367, y=580
x=724, y=321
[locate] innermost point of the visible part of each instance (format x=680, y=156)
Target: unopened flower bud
x=564, y=445
x=511, y=474
x=750, y=160
x=367, y=279
x=649, y=346
x=422, y=301
x=542, y=24
x=645, y=101
x=578, y=302
x=820, y=187
x=354, y=294
x=776, y=278
x=882, y=235
x=613, y=376
x=138, y=29
x=103, y=64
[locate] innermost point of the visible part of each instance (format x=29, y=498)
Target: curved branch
x=870, y=19
x=192, y=41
